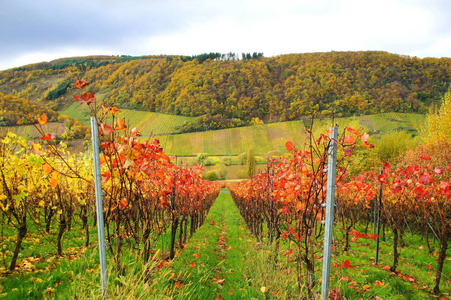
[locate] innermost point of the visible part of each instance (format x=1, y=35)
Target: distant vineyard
x=268, y=137
x=29, y=131
x=148, y=123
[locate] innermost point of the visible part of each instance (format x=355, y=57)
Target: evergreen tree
x=250, y=164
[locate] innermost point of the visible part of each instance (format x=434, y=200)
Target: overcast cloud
x=35, y=31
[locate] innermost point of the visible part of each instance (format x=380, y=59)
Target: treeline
x=226, y=90
x=220, y=56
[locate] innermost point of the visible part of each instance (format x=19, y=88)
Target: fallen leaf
x=379, y=283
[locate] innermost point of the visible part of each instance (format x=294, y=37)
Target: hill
x=222, y=91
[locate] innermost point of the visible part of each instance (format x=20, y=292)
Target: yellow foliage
x=438, y=122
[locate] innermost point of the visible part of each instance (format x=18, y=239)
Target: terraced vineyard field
x=268, y=137
x=28, y=131
x=233, y=141
x=148, y=123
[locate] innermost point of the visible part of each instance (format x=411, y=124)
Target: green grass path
x=215, y=263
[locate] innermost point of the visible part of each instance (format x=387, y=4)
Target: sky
x=42, y=30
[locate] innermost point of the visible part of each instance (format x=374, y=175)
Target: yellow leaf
x=42, y=203
x=264, y=289
x=11, y=135
x=4, y=208
x=2, y=197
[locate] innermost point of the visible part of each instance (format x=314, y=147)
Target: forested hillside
x=20, y=111
x=232, y=90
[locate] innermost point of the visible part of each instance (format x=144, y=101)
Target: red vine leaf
x=289, y=146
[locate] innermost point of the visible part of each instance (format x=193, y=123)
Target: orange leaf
x=379, y=283
x=135, y=132
x=220, y=281
x=106, y=129
x=364, y=139
x=48, y=137
x=119, y=124
x=425, y=157
x=43, y=119
x=351, y=130
x=123, y=203
x=192, y=265
x=349, y=140
x=86, y=98
x=54, y=179
x=80, y=84
x=114, y=110
x=47, y=168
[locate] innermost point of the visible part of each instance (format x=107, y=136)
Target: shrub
x=211, y=175
x=242, y=158
x=226, y=161
x=221, y=170
x=202, y=158
x=242, y=174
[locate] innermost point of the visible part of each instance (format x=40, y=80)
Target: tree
x=250, y=164
x=393, y=145
x=202, y=158
x=438, y=122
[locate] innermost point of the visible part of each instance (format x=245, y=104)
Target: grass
x=221, y=261
x=366, y=280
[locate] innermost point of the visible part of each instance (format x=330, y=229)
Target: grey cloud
x=39, y=25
